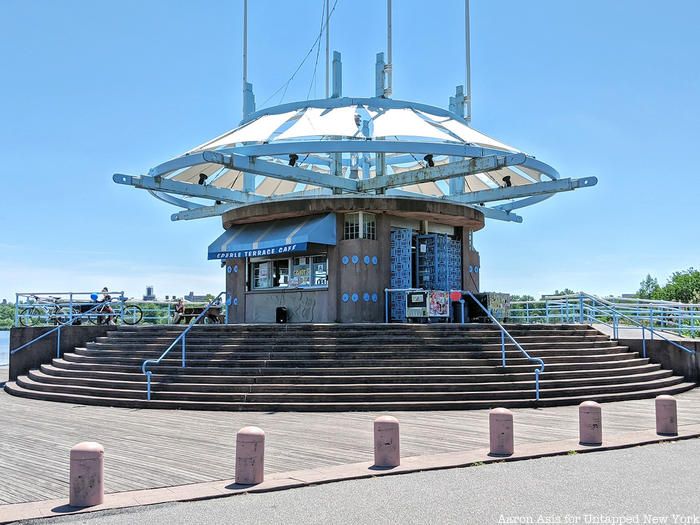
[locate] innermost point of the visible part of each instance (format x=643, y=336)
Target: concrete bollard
x=666, y=415
x=590, y=423
x=501, y=432
x=387, y=451
x=250, y=456
x=87, y=481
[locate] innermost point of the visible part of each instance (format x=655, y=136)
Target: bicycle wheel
x=132, y=314
x=68, y=315
x=31, y=316
x=94, y=316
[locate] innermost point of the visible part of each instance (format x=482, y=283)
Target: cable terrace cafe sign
x=275, y=250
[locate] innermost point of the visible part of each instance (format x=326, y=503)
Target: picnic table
x=214, y=315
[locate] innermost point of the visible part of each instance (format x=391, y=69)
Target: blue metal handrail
x=617, y=315
x=182, y=337
x=58, y=332
x=505, y=333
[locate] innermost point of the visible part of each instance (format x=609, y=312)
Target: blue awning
x=274, y=237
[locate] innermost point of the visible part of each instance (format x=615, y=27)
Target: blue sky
x=593, y=88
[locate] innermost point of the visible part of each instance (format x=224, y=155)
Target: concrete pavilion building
x=327, y=204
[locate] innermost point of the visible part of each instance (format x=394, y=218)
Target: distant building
x=195, y=298
x=150, y=296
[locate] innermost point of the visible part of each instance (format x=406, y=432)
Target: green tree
x=7, y=316
x=648, y=288
x=683, y=286
x=521, y=298
x=565, y=291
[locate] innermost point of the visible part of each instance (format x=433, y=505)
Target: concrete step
x=347, y=370
x=494, y=394
x=167, y=384
x=174, y=359
x=446, y=353
x=195, y=377
x=349, y=347
x=15, y=389
x=252, y=337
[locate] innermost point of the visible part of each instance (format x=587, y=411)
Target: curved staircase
x=348, y=367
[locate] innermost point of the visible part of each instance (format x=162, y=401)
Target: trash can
x=281, y=314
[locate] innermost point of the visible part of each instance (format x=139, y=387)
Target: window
x=261, y=274
x=352, y=226
x=320, y=270
x=369, y=226
x=280, y=273
x=301, y=271
x=360, y=225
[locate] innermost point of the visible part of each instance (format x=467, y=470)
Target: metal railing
x=47, y=309
x=60, y=308
x=583, y=307
x=682, y=319
x=387, y=291
x=183, y=338
x=589, y=309
x=504, y=334
x=57, y=330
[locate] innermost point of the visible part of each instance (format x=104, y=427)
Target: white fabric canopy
x=258, y=130
x=318, y=122
x=354, y=120
x=405, y=123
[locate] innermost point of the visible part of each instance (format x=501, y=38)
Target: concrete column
x=250, y=456
x=501, y=432
x=87, y=487
x=666, y=415
x=386, y=442
x=590, y=423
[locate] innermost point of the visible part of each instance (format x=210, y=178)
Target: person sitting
x=179, y=311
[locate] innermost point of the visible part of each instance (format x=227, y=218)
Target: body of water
x=4, y=347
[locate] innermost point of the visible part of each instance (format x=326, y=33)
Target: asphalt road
x=638, y=485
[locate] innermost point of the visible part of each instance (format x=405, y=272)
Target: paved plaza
x=656, y=483
x=156, y=448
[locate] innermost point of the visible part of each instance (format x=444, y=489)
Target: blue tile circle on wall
x=235, y=268
x=345, y=259
x=235, y=301
x=345, y=298
x=229, y=269
x=374, y=297
x=355, y=259
x=355, y=298
x=476, y=269
x=366, y=259
x=471, y=269
x=375, y=260
x=365, y=297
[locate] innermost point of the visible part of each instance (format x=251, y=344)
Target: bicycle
x=131, y=314
x=47, y=310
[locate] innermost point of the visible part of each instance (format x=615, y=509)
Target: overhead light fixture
x=506, y=179
x=293, y=158
x=429, y=159
x=202, y=178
